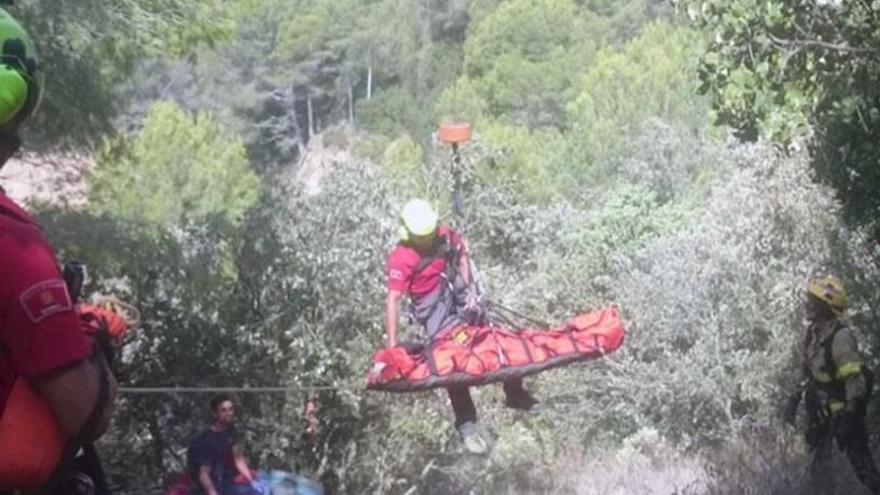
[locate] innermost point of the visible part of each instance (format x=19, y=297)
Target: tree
x=339, y=52
x=714, y=308
x=651, y=77
x=315, y=46
x=519, y=154
x=525, y=56
x=780, y=70
x=86, y=48
x=394, y=111
x=177, y=169
x=462, y=102
x=625, y=19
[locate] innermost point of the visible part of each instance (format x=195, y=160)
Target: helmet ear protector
x=19, y=90
x=403, y=233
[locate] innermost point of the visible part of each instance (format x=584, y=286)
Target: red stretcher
x=474, y=356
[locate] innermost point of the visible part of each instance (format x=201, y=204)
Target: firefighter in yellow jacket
x=835, y=385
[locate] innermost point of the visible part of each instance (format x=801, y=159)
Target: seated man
x=209, y=452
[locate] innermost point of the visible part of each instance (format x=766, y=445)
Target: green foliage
x=371, y=148
x=781, y=70
x=315, y=27
x=592, y=179
x=714, y=308
x=194, y=310
x=650, y=77
x=674, y=163
x=522, y=28
x=519, y=154
x=332, y=47
x=395, y=111
x=461, y=102
x=87, y=49
x=525, y=56
x=177, y=169
x=404, y=162
x=626, y=19
x=763, y=81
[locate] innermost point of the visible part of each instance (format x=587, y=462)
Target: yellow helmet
x=831, y=291
x=418, y=217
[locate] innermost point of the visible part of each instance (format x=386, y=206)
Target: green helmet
x=19, y=91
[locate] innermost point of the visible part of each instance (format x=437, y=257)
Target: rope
x=126, y=311
x=506, y=321
x=498, y=308
x=215, y=390
x=457, y=199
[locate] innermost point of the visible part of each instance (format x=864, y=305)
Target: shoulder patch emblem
x=46, y=299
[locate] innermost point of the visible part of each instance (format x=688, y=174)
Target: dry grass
x=768, y=462
x=776, y=461
x=645, y=465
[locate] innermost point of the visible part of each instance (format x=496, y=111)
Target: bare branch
x=838, y=47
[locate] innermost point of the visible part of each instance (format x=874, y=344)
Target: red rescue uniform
x=39, y=333
x=39, y=329
x=403, y=261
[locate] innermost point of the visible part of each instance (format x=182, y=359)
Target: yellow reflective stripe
x=822, y=377
x=848, y=370
x=836, y=406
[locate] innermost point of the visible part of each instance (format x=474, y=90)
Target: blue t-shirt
x=211, y=449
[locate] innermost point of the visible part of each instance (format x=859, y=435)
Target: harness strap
x=443, y=251
x=567, y=332
x=429, y=357
x=827, y=345
x=526, y=348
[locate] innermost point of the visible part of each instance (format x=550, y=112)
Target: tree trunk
x=350, y=102
x=158, y=438
x=370, y=80
x=311, y=115
x=294, y=122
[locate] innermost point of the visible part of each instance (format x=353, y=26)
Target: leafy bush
x=651, y=76
x=177, y=169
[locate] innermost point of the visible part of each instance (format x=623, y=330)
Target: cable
x=214, y=390
x=498, y=309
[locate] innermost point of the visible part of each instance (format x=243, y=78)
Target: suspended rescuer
x=55, y=392
x=430, y=264
x=835, y=385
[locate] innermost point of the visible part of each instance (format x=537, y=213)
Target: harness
x=451, y=254
x=826, y=380
x=443, y=250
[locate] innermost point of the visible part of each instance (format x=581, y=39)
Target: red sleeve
x=39, y=328
x=399, y=271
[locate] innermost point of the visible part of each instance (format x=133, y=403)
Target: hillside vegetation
x=692, y=163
